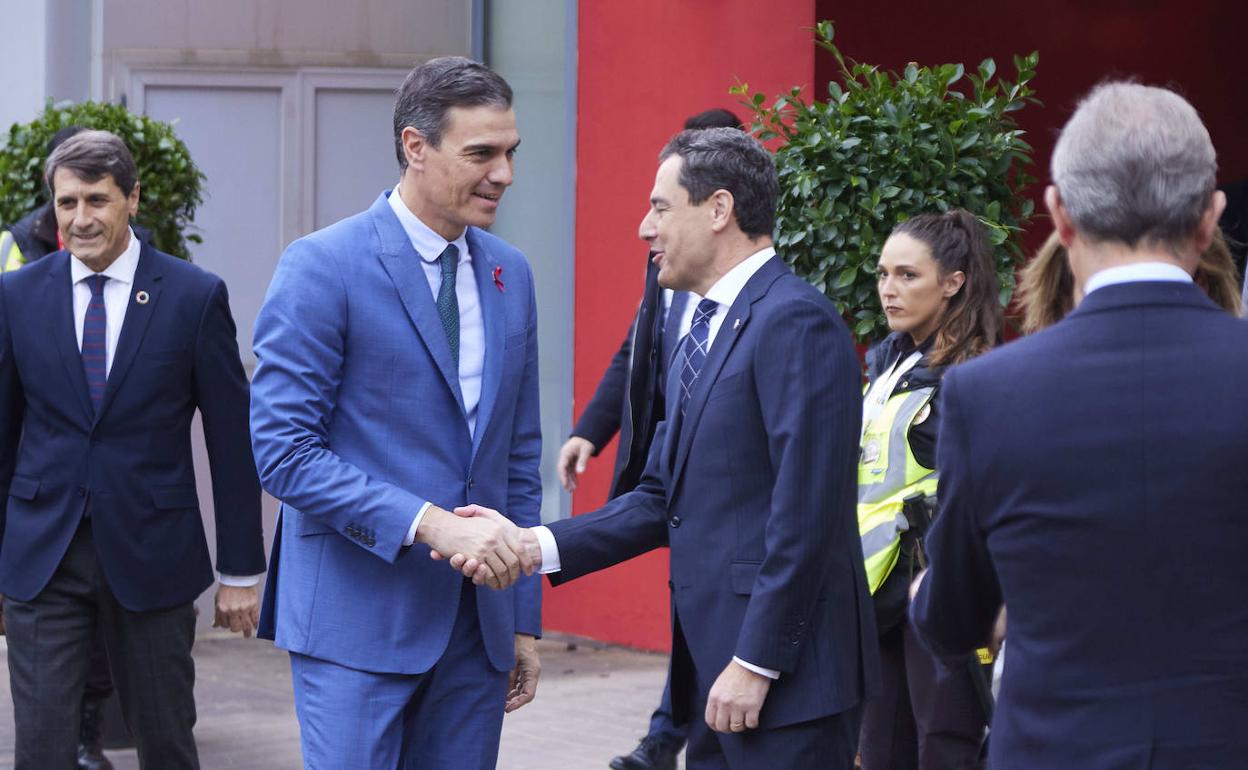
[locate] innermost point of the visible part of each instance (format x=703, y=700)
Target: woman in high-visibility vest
x=938, y=289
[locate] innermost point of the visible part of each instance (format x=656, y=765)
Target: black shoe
x=650, y=754
x=90, y=750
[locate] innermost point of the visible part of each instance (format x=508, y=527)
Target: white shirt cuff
x=238, y=581
x=767, y=672
x=411, y=531
x=550, y=550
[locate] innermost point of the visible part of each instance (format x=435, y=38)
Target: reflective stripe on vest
x=887, y=474
x=10, y=255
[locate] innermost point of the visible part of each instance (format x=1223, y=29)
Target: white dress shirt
x=1140, y=271
x=724, y=293
x=117, y=291
x=429, y=246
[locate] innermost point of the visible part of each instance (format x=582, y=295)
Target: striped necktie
x=95, y=341
x=696, y=346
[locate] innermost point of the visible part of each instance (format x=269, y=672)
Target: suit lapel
x=490, y=296
x=725, y=340
x=147, y=280
x=60, y=299
x=402, y=264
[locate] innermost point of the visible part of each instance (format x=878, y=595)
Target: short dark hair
x=728, y=159
x=60, y=136
x=434, y=87
x=714, y=118
x=92, y=155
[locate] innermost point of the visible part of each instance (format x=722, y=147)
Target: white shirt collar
x=122, y=269
x=729, y=285
x=428, y=244
x=1140, y=271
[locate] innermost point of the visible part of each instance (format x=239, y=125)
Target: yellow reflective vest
x=10, y=255
x=887, y=474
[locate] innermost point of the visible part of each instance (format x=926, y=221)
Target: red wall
x=644, y=66
x=1195, y=47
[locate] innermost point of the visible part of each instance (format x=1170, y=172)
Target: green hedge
x=884, y=147
x=171, y=184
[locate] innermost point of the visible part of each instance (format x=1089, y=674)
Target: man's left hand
x=736, y=699
x=522, y=682
x=237, y=608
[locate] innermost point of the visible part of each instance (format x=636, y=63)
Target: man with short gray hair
x=1091, y=474
x=108, y=348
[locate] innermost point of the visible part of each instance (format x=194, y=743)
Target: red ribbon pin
x=498, y=281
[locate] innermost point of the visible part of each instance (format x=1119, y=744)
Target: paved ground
x=593, y=702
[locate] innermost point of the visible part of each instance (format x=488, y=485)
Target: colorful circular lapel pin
x=141, y=297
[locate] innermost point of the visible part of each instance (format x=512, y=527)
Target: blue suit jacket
x=756, y=495
x=130, y=463
x=358, y=420
x=1092, y=475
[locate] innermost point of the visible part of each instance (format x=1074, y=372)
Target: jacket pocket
x=23, y=487
x=173, y=496
x=742, y=574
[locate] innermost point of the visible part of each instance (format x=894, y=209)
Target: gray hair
x=1135, y=164
x=729, y=159
x=432, y=88
x=92, y=155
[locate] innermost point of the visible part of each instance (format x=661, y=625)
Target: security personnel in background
x=938, y=289
x=34, y=235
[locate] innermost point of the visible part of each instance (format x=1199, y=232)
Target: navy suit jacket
x=755, y=493
x=358, y=420
x=1092, y=476
x=129, y=464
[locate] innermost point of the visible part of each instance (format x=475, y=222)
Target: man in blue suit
x=107, y=349
x=751, y=482
x=397, y=380
x=1092, y=474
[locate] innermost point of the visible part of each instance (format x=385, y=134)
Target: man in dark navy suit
x=629, y=399
x=107, y=349
x=1092, y=474
x=751, y=482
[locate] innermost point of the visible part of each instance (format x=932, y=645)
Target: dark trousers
x=663, y=727
x=50, y=643
x=927, y=716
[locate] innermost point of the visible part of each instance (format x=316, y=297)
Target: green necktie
x=448, y=301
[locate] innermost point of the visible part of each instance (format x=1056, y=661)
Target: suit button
x=471, y=483
x=81, y=491
x=674, y=521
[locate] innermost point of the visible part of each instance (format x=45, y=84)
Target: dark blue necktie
x=696, y=346
x=448, y=301
x=95, y=341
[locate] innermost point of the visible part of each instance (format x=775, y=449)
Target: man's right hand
x=529, y=550
x=492, y=542
x=573, y=457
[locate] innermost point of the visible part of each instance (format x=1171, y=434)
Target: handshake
x=481, y=543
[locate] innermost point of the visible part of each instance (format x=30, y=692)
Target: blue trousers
x=449, y=716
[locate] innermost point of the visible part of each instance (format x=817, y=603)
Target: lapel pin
x=141, y=297
x=498, y=281
x=736, y=324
